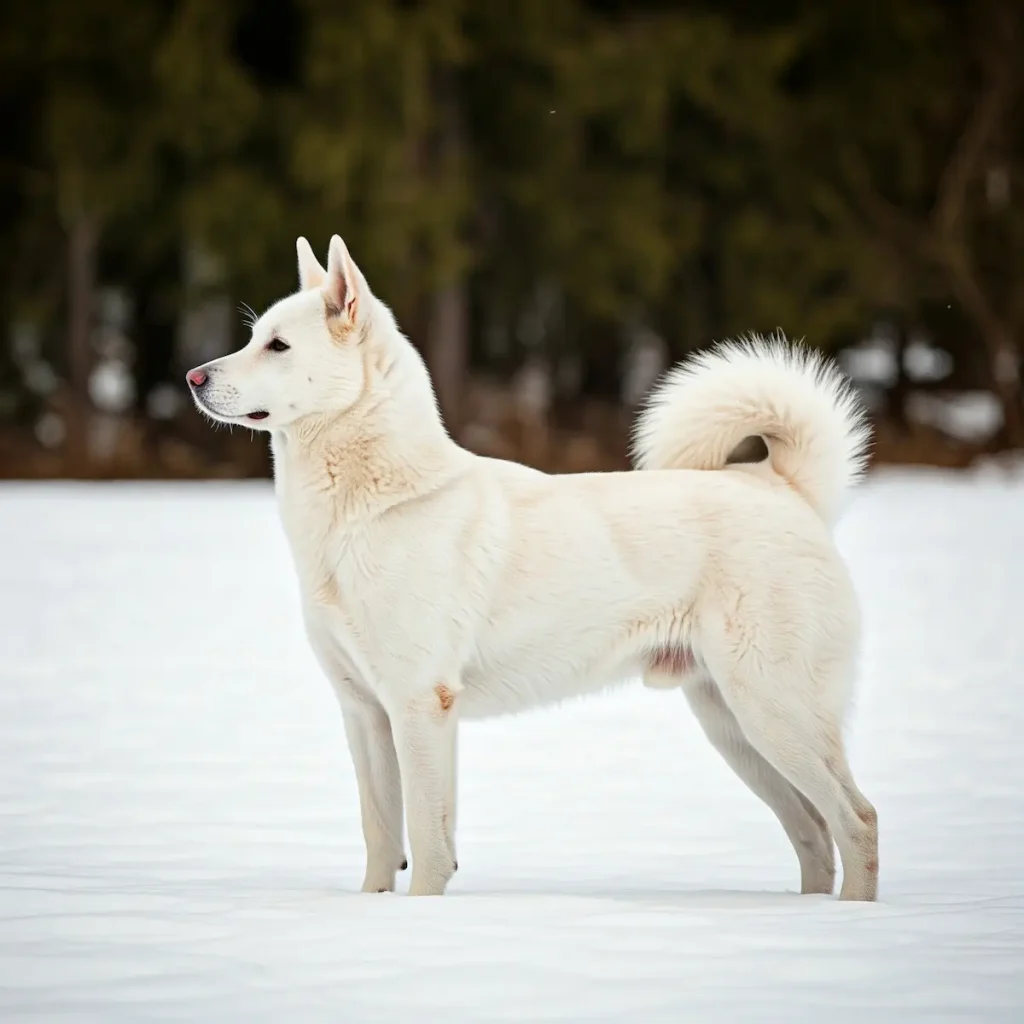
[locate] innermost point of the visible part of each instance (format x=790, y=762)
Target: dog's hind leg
x=779, y=709
x=803, y=825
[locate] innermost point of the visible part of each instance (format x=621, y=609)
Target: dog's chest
x=309, y=529
x=327, y=558
x=342, y=577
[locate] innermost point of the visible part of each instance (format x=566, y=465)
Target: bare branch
x=899, y=230
x=999, y=58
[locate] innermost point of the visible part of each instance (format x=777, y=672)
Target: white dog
x=440, y=585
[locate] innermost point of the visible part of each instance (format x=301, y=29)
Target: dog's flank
x=439, y=585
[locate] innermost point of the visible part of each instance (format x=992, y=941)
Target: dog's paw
x=427, y=887
x=431, y=879
x=381, y=871
x=379, y=879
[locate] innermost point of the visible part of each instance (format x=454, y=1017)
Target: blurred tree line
x=537, y=187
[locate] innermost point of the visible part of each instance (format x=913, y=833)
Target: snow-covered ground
x=179, y=836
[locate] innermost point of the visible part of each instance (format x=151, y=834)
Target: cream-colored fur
x=440, y=585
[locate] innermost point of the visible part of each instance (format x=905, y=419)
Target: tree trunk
x=1003, y=353
x=447, y=348
x=1005, y=368
x=82, y=243
x=900, y=390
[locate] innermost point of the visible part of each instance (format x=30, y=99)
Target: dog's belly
x=552, y=648
x=492, y=692
x=550, y=667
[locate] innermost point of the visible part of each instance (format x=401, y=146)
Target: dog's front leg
x=372, y=746
x=380, y=790
x=426, y=731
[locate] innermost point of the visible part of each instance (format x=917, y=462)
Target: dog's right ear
x=345, y=289
x=311, y=274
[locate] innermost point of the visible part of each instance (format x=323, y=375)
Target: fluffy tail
x=799, y=402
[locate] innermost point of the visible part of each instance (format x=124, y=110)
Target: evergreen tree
x=910, y=121
x=90, y=156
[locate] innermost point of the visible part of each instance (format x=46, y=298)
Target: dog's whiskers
x=249, y=316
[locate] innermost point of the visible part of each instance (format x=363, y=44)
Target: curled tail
x=797, y=400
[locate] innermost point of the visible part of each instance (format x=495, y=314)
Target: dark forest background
x=556, y=197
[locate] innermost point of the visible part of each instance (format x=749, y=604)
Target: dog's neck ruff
x=389, y=447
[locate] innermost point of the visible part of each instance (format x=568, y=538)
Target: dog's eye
x=277, y=345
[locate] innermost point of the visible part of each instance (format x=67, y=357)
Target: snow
x=179, y=834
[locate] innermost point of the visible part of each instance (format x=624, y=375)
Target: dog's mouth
x=256, y=415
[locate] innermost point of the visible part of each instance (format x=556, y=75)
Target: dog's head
x=303, y=358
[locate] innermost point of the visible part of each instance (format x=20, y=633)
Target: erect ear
x=345, y=289
x=311, y=274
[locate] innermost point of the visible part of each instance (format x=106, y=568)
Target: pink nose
x=197, y=378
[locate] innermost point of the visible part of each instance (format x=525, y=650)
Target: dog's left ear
x=345, y=289
x=311, y=274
